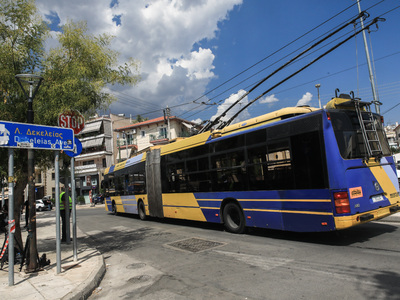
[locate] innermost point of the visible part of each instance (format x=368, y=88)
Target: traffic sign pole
x=74, y=234
x=58, y=238
x=74, y=120
x=10, y=216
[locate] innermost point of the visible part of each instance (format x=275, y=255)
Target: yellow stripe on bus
x=271, y=200
x=384, y=181
x=182, y=206
x=292, y=211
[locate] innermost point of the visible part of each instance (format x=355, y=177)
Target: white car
x=40, y=205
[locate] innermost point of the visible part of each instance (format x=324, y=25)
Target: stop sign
x=71, y=119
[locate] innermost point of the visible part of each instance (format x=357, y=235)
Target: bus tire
x=142, y=211
x=114, y=209
x=233, y=218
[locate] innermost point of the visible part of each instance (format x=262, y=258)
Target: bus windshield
x=349, y=136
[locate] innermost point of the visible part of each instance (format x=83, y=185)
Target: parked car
x=40, y=206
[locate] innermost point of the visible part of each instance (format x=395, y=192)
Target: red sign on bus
x=72, y=119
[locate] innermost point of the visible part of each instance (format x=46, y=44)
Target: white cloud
x=161, y=34
x=244, y=115
x=269, y=99
x=305, y=100
x=199, y=64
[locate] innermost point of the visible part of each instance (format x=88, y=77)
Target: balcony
x=158, y=139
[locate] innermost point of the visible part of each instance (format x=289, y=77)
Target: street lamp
x=32, y=82
x=319, y=100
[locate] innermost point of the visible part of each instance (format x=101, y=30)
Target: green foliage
x=75, y=73
x=139, y=119
x=81, y=200
x=78, y=70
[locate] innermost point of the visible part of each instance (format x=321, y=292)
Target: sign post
x=11, y=217
x=74, y=120
x=32, y=136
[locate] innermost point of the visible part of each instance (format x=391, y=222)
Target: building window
x=39, y=178
x=104, y=163
x=129, y=138
x=143, y=133
x=53, y=176
x=162, y=132
x=88, y=162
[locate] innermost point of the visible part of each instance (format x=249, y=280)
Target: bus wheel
x=233, y=217
x=114, y=209
x=142, y=211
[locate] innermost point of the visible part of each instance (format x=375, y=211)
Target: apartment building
x=98, y=147
x=139, y=137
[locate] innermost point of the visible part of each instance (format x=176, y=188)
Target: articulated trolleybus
x=297, y=169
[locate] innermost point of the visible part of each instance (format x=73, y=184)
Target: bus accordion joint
x=342, y=203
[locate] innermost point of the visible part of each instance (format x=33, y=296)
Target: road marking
x=346, y=274
x=258, y=261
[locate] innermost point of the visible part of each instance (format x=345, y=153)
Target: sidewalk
x=77, y=279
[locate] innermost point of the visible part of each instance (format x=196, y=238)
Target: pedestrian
x=63, y=205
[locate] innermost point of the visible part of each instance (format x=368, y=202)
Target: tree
x=75, y=75
x=139, y=119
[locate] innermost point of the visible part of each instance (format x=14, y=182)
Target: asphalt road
x=166, y=259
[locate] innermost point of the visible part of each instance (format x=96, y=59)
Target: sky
x=199, y=56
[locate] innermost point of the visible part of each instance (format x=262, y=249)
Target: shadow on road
x=357, y=234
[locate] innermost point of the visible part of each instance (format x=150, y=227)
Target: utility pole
x=371, y=73
x=168, y=111
x=319, y=99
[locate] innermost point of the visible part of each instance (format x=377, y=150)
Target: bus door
x=153, y=180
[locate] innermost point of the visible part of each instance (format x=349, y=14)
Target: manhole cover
x=195, y=244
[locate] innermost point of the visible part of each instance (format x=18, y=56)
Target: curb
x=84, y=290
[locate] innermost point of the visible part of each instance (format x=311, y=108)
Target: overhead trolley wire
x=224, y=83
x=275, y=52
x=210, y=124
x=374, y=21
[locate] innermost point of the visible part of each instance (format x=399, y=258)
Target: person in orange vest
x=63, y=204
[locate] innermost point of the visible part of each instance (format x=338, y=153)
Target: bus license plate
x=377, y=198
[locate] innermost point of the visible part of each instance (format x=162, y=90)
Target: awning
x=92, y=143
x=91, y=127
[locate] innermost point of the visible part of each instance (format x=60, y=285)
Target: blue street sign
x=28, y=136
x=78, y=149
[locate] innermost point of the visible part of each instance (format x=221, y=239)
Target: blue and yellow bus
x=297, y=169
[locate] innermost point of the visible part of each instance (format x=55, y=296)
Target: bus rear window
x=349, y=136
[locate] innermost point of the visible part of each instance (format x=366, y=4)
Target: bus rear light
x=342, y=203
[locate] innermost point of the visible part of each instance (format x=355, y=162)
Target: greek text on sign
x=22, y=135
